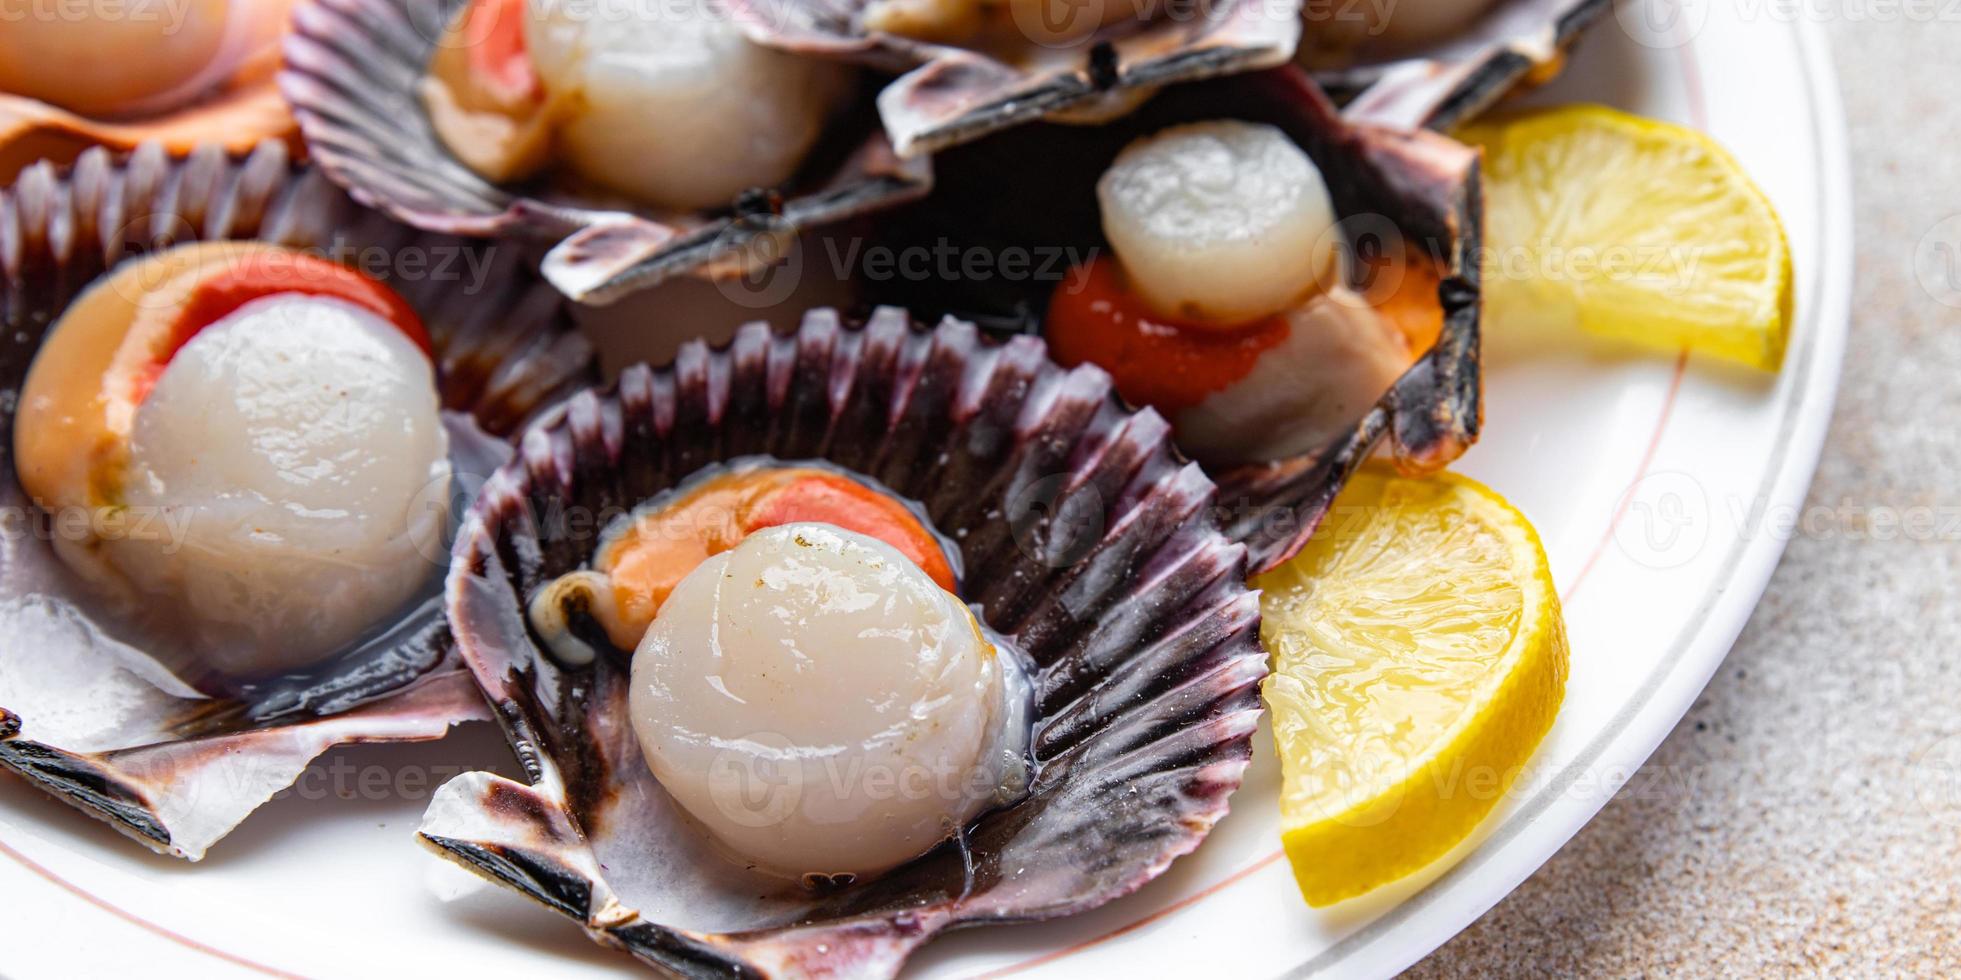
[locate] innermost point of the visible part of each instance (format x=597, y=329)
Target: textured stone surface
x=1808, y=815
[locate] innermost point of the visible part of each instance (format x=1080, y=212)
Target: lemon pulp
x=1631, y=228
x=1419, y=658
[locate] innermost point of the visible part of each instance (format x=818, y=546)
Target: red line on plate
x=1620, y=512
x=137, y=921
x=1699, y=115
x=1692, y=82
x=1640, y=473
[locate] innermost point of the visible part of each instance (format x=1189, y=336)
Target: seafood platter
x=382, y=369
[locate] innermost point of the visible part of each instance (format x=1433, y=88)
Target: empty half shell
x=181, y=75
x=1081, y=536
x=352, y=73
x=1413, y=191
x=1087, y=62
x=1443, y=83
x=88, y=711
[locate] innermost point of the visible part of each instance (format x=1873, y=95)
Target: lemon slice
x=1419, y=657
x=1634, y=229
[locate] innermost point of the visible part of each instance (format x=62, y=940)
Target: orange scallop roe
x=485, y=98
x=494, y=30
x=257, y=276
x=1172, y=365
x=1412, y=304
x=99, y=361
x=1153, y=359
x=646, y=560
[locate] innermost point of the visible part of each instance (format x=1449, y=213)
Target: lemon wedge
x=1418, y=659
x=1633, y=229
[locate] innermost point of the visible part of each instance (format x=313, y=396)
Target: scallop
x=822, y=707
x=295, y=453
x=110, y=58
x=1338, y=357
x=676, y=108
x=1220, y=222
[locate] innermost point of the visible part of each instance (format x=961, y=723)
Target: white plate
x=1664, y=488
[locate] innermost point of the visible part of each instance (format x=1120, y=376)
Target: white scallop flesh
x=1339, y=357
x=675, y=107
x=130, y=57
x=1221, y=222
x=293, y=472
x=822, y=707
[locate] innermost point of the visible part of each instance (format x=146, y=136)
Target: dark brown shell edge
x=505, y=352
x=952, y=95
x=1434, y=412
x=1420, y=185
x=1091, y=543
x=1453, y=86
x=351, y=72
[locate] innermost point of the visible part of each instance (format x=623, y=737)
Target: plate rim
x=1400, y=937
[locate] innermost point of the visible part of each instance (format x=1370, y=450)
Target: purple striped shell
x=1086, y=541
x=351, y=72
x=1416, y=190
x=1449, y=83
x=950, y=95
x=87, y=715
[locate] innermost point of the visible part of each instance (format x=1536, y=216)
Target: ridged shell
x=951, y=95
x=1420, y=185
x=1450, y=83
x=244, y=110
x=1086, y=540
x=177, y=771
x=351, y=72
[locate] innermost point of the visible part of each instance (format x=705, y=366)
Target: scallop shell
x=1418, y=184
x=95, y=720
x=951, y=95
x=351, y=71
x=1089, y=542
x=1445, y=85
x=244, y=112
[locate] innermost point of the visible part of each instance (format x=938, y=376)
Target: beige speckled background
x=1813, y=817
